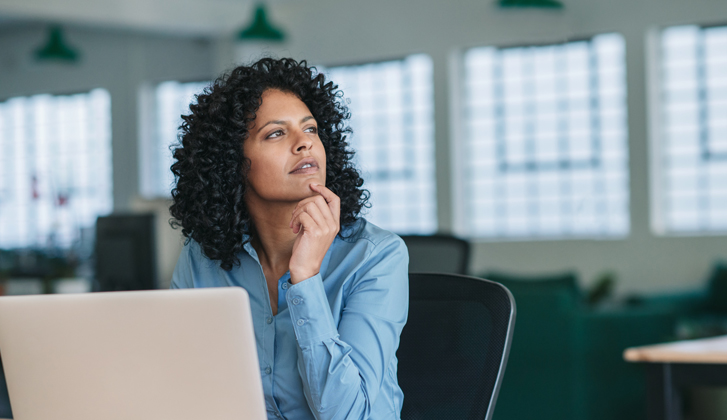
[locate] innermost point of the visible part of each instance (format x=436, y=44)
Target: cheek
x=260, y=173
x=322, y=157
x=265, y=175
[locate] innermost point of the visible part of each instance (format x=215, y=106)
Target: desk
x=673, y=367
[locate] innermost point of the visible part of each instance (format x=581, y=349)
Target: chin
x=301, y=193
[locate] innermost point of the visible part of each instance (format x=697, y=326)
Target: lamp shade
x=260, y=28
x=544, y=4
x=55, y=48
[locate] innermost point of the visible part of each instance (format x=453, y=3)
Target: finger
x=334, y=202
x=299, y=207
x=326, y=211
x=325, y=192
x=319, y=201
x=305, y=221
x=313, y=211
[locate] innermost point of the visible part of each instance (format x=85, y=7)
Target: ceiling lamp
x=260, y=28
x=56, y=49
x=542, y=4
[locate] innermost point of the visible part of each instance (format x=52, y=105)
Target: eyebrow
x=281, y=122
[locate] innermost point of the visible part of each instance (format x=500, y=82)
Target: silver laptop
x=162, y=354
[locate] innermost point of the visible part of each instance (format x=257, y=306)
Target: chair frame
x=413, y=277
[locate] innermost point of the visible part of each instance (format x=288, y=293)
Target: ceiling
x=184, y=17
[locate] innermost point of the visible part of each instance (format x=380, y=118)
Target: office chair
x=437, y=254
x=5, y=412
x=454, y=347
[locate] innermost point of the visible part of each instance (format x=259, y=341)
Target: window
x=545, y=140
x=55, y=168
x=168, y=101
x=391, y=106
x=693, y=140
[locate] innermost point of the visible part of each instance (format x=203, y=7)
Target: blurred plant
x=45, y=264
x=602, y=288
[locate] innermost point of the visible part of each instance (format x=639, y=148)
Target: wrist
x=298, y=275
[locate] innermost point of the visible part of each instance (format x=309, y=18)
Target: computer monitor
x=125, y=252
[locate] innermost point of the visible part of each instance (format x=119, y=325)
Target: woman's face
x=286, y=155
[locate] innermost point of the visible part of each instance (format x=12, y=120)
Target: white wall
x=335, y=32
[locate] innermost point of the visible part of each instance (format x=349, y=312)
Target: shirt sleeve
x=343, y=368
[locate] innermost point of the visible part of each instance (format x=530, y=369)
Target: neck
x=273, y=238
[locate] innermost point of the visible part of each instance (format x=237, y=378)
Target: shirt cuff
x=310, y=311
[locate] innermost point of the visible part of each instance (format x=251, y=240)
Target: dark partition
x=125, y=252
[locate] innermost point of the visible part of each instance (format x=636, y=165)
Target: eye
x=275, y=134
x=312, y=129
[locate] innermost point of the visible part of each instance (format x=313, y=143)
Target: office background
x=125, y=48
x=129, y=48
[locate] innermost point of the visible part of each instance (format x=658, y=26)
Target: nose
x=302, y=142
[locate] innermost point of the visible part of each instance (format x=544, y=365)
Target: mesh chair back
x=454, y=347
x=437, y=254
x=5, y=412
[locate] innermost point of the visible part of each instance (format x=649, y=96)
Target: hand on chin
x=316, y=221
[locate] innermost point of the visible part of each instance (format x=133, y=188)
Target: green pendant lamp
x=55, y=48
x=260, y=28
x=540, y=4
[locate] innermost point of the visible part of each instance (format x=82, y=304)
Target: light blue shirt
x=330, y=352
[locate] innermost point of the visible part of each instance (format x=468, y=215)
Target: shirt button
x=300, y=322
x=296, y=301
x=268, y=370
x=269, y=320
x=286, y=285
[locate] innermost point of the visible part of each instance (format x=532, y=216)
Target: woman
x=269, y=200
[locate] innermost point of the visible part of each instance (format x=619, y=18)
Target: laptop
x=160, y=354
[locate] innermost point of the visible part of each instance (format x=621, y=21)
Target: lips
x=305, y=166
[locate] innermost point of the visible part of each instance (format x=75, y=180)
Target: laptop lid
x=161, y=354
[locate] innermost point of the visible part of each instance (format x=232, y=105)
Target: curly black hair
x=210, y=170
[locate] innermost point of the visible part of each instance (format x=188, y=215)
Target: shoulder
x=194, y=268
x=363, y=234
x=375, y=258
x=363, y=230
x=193, y=255
x=192, y=249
